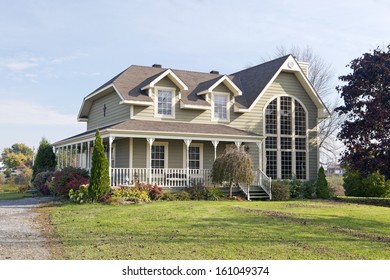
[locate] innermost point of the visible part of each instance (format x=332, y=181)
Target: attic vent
x=214, y=72
x=157, y=65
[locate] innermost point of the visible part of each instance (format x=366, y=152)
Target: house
x=2, y=167
x=334, y=168
x=167, y=126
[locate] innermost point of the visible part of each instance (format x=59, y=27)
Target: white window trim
x=228, y=104
x=278, y=135
x=200, y=145
x=173, y=102
x=166, y=153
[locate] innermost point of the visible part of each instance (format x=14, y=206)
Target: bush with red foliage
x=68, y=178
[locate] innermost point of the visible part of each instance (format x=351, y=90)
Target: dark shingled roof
x=180, y=127
x=163, y=127
x=253, y=80
x=250, y=81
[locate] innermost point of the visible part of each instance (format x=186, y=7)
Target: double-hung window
x=220, y=106
x=158, y=156
x=164, y=103
x=194, y=157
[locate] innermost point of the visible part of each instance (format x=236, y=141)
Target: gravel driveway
x=24, y=231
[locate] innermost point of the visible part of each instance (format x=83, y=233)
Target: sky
x=55, y=52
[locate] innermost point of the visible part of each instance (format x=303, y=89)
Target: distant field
x=224, y=230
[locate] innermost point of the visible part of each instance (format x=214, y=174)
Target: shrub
x=200, y=192
x=181, y=196
x=155, y=192
x=373, y=185
x=196, y=191
x=309, y=189
x=80, y=195
x=133, y=194
x=353, y=183
x=295, y=187
x=41, y=182
x=322, y=190
x=60, y=184
x=376, y=185
x=280, y=190
x=213, y=193
x=24, y=179
x=100, y=178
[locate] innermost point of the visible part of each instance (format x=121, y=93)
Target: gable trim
x=87, y=102
x=292, y=66
x=227, y=82
x=172, y=76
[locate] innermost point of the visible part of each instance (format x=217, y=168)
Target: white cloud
x=28, y=113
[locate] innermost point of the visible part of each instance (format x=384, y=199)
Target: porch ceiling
x=167, y=130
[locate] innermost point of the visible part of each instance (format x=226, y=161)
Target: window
x=194, y=157
x=270, y=118
x=158, y=156
x=286, y=142
x=164, y=103
x=272, y=164
x=221, y=107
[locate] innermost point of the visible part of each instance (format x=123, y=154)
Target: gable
x=256, y=80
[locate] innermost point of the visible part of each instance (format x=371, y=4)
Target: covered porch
x=169, y=154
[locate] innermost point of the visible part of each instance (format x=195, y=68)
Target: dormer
x=169, y=74
x=220, y=93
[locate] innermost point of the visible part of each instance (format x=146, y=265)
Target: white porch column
x=150, y=141
x=66, y=156
x=71, y=156
x=188, y=143
x=215, y=144
x=260, y=146
x=110, y=140
x=57, y=153
x=88, y=155
x=62, y=157
x=238, y=144
x=81, y=155
x=77, y=155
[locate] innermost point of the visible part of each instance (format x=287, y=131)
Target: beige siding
x=115, y=112
x=221, y=88
x=139, y=152
x=122, y=153
x=175, y=150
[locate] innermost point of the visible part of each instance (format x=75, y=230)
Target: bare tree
x=320, y=72
x=320, y=76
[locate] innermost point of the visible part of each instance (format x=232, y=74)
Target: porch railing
x=178, y=177
x=264, y=181
x=167, y=177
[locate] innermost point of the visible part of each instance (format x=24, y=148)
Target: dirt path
x=25, y=230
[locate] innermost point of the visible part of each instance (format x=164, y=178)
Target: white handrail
x=166, y=177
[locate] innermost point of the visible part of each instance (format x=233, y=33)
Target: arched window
x=286, y=142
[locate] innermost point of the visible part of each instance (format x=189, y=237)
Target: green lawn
x=224, y=230
x=11, y=191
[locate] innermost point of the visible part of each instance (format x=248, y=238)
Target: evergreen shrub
x=280, y=190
